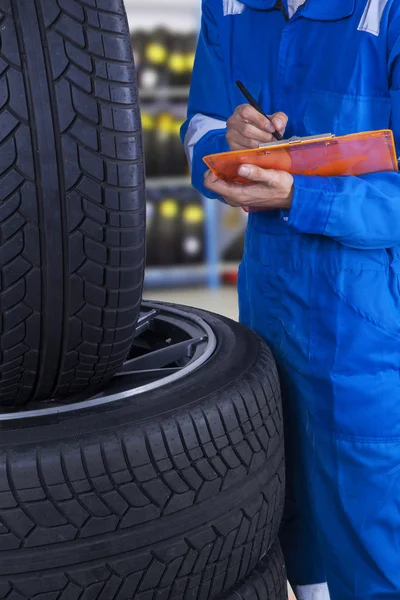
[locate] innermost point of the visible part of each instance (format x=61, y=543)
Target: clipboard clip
x=298, y=140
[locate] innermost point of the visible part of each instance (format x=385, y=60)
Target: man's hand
x=269, y=189
x=247, y=128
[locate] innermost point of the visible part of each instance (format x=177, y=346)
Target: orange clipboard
x=324, y=155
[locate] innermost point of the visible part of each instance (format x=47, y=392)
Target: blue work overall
x=321, y=283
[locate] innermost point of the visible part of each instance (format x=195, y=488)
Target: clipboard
x=325, y=155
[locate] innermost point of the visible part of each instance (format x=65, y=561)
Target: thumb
x=253, y=173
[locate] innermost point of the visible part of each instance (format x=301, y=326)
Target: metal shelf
x=178, y=15
x=179, y=275
x=158, y=182
x=182, y=274
x=162, y=93
x=163, y=4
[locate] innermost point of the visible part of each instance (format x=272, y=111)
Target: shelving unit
x=175, y=276
x=154, y=13
x=157, y=182
x=167, y=93
x=208, y=274
x=182, y=16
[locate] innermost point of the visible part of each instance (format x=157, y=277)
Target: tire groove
x=35, y=144
x=28, y=22
x=66, y=12
x=17, y=499
x=113, y=61
x=42, y=480
x=61, y=183
x=71, y=489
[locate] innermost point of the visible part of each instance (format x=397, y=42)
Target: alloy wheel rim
x=183, y=343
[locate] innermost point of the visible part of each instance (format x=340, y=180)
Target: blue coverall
x=321, y=283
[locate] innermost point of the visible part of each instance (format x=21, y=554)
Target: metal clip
x=298, y=140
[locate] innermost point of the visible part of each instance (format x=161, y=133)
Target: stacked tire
x=72, y=209
x=173, y=493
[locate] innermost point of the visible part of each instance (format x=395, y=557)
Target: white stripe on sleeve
x=199, y=126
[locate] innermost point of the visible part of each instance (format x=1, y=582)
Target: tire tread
x=87, y=334
x=267, y=582
x=179, y=506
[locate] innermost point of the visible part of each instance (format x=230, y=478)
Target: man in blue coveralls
x=319, y=279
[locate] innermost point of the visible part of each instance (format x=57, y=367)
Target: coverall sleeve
x=209, y=103
x=359, y=212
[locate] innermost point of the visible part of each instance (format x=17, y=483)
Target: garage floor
x=223, y=301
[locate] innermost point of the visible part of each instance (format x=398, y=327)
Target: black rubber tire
x=267, y=582
x=173, y=494
x=72, y=220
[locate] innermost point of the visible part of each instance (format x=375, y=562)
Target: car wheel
x=169, y=483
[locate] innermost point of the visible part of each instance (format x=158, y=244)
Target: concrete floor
x=223, y=301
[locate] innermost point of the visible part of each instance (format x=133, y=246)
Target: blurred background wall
x=194, y=245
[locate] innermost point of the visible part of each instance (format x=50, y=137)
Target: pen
x=255, y=105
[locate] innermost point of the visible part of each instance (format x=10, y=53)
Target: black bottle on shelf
x=167, y=229
x=193, y=228
x=177, y=61
x=156, y=53
x=162, y=147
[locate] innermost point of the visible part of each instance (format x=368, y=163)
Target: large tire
x=172, y=494
x=71, y=200
x=267, y=582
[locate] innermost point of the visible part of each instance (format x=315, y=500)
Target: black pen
x=255, y=105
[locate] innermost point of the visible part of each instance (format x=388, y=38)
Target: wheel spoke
x=153, y=373
x=163, y=357
x=146, y=321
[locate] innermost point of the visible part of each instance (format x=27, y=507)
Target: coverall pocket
x=341, y=114
x=355, y=351
x=371, y=295
x=280, y=303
